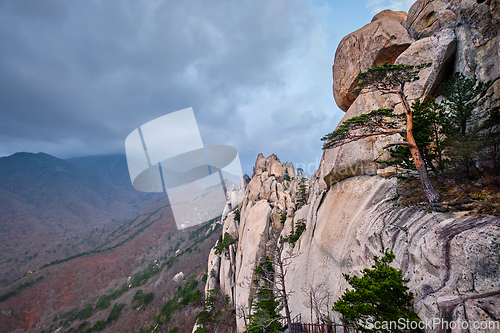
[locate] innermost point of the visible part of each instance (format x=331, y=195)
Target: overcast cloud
x=76, y=77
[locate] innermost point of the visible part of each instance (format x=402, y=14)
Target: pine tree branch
x=403, y=143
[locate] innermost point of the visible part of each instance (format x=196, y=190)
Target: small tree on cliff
x=388, y=79
x=266, y=307
x=272, y=295
x=464, y=102
x=380, y=295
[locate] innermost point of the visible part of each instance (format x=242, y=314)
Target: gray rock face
x=438, y=50
x=426, y=17
x=476, y=25
x=451, y=260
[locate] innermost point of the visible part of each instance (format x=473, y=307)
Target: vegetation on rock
x=302, y=192
x=380, y=295
x=218, y=315
x=294, y=236
x=223, y=243
x=265, y=306
x=390, y=79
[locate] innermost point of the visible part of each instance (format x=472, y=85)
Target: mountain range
x=53, y=208
x=76, y=236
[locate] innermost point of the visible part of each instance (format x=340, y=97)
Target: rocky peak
x=351, y=210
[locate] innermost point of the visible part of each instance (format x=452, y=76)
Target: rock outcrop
x=439, y=51
x=450, y=259
x=267, y=200
x=382, y=40
x=352, y=209
x=476, y=25
x=445, y=33
x=426, y=17
x=398, y=16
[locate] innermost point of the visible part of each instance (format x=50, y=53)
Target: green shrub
x=103, y=302
x=20, y=288
x=98, y=326
x=140, y=298
x=300, y=227
x=237, y=215
x=143, y=277
x=379, y=295
x=115, y=312
x=86, y=312
x=83, y=325
x=287, y=175
x=302, y=192
x=224, y=243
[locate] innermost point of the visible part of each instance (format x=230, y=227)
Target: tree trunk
x=495, y=157
x=284, y=295
x=432, y=195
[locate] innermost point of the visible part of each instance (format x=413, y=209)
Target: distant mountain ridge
x=112, y=167
x=53, y=208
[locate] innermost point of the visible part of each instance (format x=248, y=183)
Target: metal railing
x=322, y=328
x=299, y=327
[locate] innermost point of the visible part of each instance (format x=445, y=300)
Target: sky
x=76, y=77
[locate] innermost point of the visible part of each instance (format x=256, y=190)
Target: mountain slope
x=145, y=253
x=52, y=209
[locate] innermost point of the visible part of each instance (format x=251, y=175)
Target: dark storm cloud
x=76, y=77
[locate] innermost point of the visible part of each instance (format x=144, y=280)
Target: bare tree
x=241, y=313
x=319, y=300
x=269, y=282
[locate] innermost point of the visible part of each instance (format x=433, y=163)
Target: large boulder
x=375, y=43
x=253, y=188
x=398, y=16
x=426, y=17
x=437, y=50
x=476, y=24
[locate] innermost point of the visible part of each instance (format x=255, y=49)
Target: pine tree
x=380, y=295
x=389, y=79
x=491, y=128
x=265, y=306
x=464, y=98
x=302, y=193
x=287, y=175
x=427, y=130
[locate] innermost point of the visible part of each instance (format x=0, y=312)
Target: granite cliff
x=352, y=208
